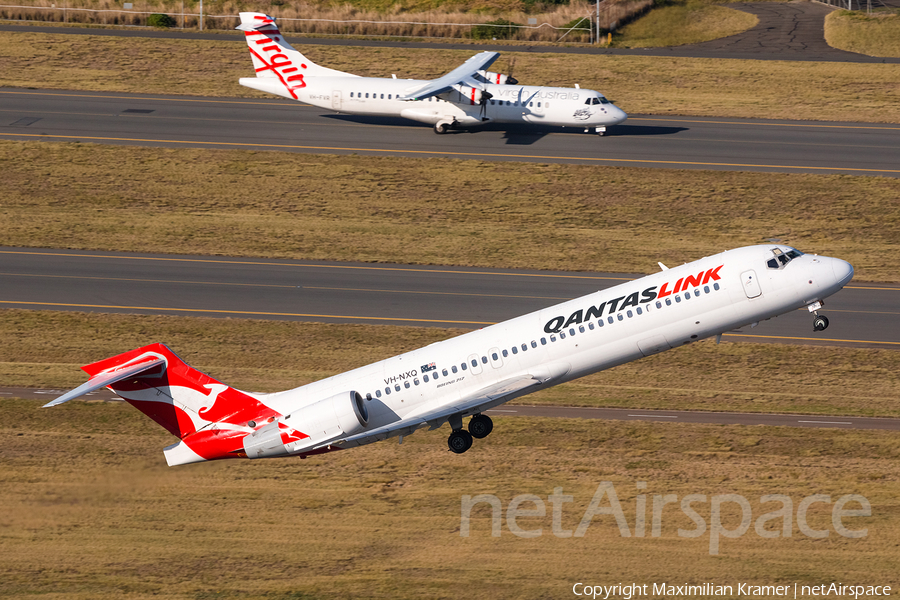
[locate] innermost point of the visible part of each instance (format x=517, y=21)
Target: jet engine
x=340, y=415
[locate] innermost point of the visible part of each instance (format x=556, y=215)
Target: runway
x=578, y=412
x=725, y=144
x=861, y=315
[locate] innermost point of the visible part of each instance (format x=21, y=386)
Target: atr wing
x=463, y=73
x=482, y=400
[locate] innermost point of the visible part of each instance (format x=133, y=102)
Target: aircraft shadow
x=514, y=134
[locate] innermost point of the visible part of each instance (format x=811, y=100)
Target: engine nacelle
x=340, y=415
x=498, y=78
x=474, y=95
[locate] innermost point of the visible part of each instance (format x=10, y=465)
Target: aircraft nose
x=619, y=115
x=843, y=271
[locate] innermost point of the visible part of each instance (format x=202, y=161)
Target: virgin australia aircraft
x=467, y=96
x=467, y=375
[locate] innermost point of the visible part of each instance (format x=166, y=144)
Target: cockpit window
x=781, y=258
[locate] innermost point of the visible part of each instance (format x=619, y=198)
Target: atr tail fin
x=280, y=69
x=210, y=418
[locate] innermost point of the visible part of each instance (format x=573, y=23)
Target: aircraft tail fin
x=280, y=68
x=210, y=418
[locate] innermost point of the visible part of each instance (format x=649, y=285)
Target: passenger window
x=553, y=337
x=581, y=329
x=668, y=302
x=591, y=325
x=382, y=96
x=539, y=104
x=687, y=295
x=677, y=298
x=629, y=313
x=387, y=391
x=543, y=343
x=351, y=94
x=505, y=354
x=525, y=346
x=696, y=292
x=639, y=311
x=475, y=362
x=464, y=366
x=600, y=323
x=416, y=381
x=484, y=359
x=572, y=330
x=389, y=96
x=378, y=393
x=706, y=289
x=368, y=396
x=397, y=387
x=424, y=378
x=435, y=374
x=620, y=317
x=658, y=304
x=406, y=384
x=453, y=368
x=367, y=94
x=715, y=286
x=609, y=320
x=515, y=349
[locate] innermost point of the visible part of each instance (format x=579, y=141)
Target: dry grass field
x=875, y=34
x=46, y=349
x=683, y=22
x=358, y=208
x=668, y=86
x=89, y=510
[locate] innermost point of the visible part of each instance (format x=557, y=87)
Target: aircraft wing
x=482, y=400
x=460, y=74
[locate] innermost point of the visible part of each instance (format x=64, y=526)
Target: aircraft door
x=336, y=100
x=750, y=283
x=474, y=364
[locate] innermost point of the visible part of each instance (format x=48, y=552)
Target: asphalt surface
x=861, y=315
x=786, y=31
x=282, y=125
x=573, y=412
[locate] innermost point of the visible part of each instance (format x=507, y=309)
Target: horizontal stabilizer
x=106, y=378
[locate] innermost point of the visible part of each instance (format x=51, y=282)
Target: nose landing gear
x=820, y=323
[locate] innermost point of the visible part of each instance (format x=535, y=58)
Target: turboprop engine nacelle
x=498, y=78
x=474, y=95
x=340, y=415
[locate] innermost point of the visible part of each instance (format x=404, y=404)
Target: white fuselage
x=582, y=336
x=552, y=106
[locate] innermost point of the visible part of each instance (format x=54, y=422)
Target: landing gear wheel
x=820, y=323
x=460, y=441
x=480, y=426
x=441, y=128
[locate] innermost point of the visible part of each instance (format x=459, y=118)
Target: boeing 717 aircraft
x=468, y=96
x=467, y=375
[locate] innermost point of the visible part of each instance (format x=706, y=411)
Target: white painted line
x=656, y=416
x=496, y=410
x=828, y=422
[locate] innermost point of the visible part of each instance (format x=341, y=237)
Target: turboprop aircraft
x=467, y=375
x=467, y=96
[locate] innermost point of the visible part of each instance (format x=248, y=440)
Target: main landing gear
x=480, y=426
x=820, y=323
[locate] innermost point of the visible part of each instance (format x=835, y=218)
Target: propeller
x=510, y=80
x=485, y=98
